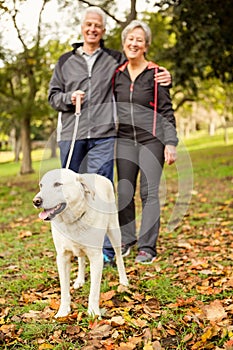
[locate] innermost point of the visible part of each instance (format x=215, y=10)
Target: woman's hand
x=170, y=154
x=164, y=77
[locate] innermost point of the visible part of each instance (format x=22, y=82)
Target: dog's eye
x=57, y=184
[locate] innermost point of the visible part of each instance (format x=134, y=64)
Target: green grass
x=202, y=140
x=193, y=269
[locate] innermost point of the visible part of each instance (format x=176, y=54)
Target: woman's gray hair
x=137, y=24
x=94, y=9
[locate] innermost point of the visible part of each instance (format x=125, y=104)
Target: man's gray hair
x=137, y=24
x=95, y=9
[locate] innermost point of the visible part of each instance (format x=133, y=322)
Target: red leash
x=155, y=101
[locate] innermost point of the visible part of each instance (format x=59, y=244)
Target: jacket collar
x=150, y=65
x=80, y=43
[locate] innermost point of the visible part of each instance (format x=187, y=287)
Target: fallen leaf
x=207, y=335
x=229, y=345
x=7, y=328
x=171, y=331
x=54, y=304
x=185, y=245
x=25, y=234
x=215, y=311
x=117, y=321
x=157, y=345
x=45, y=346
x=101, y=330
x=126, y=346
x=187, y=337
x=32, y=314
x=123, y=289
x=108, y=295
x=71, y=330
x=148, y=346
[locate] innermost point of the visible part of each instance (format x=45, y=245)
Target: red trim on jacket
x=150, y=65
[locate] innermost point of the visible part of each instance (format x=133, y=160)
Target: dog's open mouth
x=49, y=214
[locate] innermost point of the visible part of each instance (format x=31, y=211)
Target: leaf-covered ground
x=182, y=301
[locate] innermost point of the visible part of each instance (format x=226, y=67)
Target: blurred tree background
x=193, y=39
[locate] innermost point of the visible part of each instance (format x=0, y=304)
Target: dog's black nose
x=37, y=202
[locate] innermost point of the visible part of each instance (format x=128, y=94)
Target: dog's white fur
x=79, y=228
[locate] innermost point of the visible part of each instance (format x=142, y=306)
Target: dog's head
x=61, y=191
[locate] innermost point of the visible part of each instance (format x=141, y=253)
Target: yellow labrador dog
x=82, y=210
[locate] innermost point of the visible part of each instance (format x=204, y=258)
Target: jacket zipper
x=89, y=95
x=132, y=112
x=88, y=99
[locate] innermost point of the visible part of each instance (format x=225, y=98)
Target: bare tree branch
x=39, y=24
x=181, y=102
x=132, y=13
x=13, y=16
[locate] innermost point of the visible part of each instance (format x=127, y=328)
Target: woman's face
x=135, y=44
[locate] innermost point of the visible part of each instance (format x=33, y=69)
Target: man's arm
x=164, y=77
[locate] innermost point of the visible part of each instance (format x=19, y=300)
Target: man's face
x=92, y=28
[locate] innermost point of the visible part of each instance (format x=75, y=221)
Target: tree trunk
x=26, y=166
x=226, y=138
x=17, y=149
x=15, y=142
x=212, y=128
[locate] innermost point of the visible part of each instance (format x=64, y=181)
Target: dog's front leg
x=96, y=269
x=63, y=264
x=80, y=280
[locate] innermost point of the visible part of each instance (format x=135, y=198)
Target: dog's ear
x=87, y=190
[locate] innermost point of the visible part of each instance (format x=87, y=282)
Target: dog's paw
x=62, y=312
x=124, y=282
x=78, y=283
x=93, y=311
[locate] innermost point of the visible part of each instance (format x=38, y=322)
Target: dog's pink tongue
x=43, y=215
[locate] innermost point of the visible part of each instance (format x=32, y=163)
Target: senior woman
x=146, y=139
